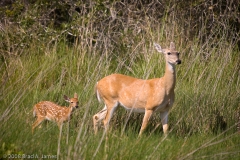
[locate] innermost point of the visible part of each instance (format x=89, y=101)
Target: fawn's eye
x=169, y=53
x=178, y=53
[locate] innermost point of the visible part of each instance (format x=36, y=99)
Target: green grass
x=203, y=122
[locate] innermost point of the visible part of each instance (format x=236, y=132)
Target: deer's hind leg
x=111, y=107
x=97, y=118
x=37, y=122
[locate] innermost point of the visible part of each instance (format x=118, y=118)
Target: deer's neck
x=70, y=109
x=169, y=77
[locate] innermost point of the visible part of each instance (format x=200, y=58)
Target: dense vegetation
x=52, y=48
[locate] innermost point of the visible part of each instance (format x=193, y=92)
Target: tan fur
x=137, y=95
x=47, y=110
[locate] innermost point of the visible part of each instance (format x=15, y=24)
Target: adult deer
x=47, y=110
x=137, y=95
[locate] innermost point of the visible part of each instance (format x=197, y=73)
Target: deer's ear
x=75, y=95
x=158, y=47
x=66, y=98
x=172, y=46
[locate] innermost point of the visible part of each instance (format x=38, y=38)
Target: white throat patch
x=171, y=67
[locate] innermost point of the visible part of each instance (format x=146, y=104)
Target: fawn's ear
x=172, y=46
x=66, y=98
x=158, y=47
x=75, y=95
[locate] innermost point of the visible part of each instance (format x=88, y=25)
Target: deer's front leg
x=147, y=116
x=164, y=120
x=60, y=124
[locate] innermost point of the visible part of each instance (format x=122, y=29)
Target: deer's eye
x=169, y=53
x=178, y=54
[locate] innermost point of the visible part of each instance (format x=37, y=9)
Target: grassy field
x=203, y=121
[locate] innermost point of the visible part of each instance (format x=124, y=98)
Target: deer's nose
x=179, y=61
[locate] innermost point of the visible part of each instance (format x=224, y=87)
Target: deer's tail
x=97, y=93
x=34, y=111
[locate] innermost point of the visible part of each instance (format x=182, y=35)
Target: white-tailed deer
x=137, y=95
x=47, y=110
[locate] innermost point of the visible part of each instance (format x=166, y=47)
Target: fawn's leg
x=37, y=122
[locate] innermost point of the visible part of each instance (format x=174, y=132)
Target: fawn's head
x=73, y=102
x=171, y=55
